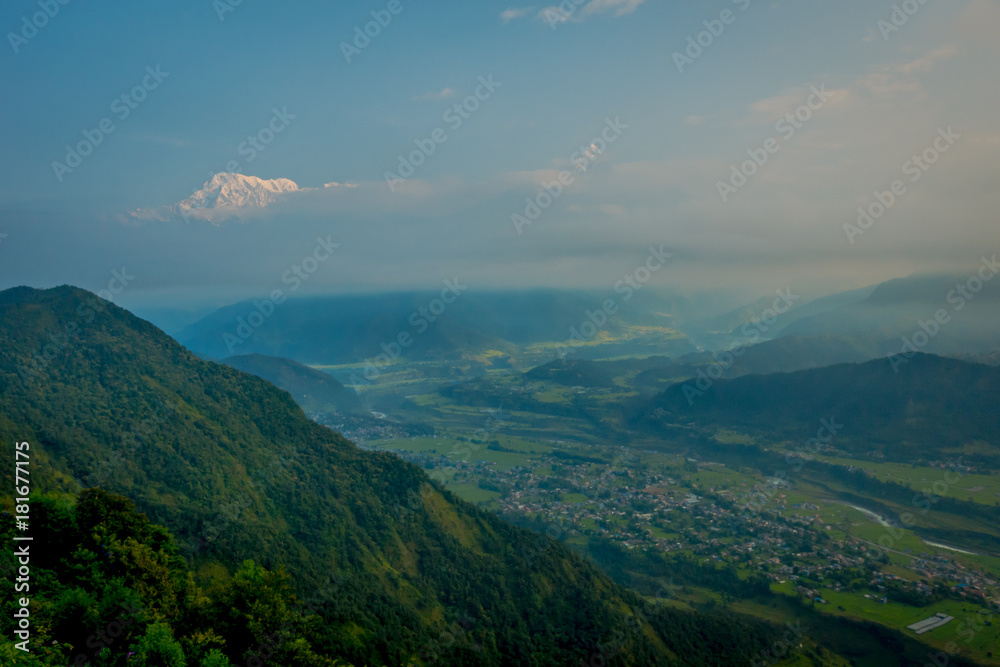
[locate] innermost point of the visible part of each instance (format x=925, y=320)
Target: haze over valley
x=606, y=333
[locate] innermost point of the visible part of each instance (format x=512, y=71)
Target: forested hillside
x=235, y=471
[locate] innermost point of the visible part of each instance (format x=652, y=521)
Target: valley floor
x=700, y=533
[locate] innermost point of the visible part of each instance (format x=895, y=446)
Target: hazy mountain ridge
x=896, y=308
x=732, y=322
x=932, y=409
x=793, y=353
x=352, y=329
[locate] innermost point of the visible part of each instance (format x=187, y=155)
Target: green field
x=975, y=629
x=983, y=489
x=472, y=493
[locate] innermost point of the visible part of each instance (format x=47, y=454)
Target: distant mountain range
x=988, y=358
x=928, y=409
x=489, y=326
x=739, y=324
x=853, y=326
x=783, y=355
x=495, y=328
x=896, y=309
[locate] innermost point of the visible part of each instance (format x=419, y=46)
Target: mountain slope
x=782, y=355
x=234, y=468
x=795, y=353
x=313, y=390
x=932, y=409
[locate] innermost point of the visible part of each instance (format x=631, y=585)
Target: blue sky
x=609, y=59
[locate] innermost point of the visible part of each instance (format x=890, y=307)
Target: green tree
x=158, y=648
x=216, y=658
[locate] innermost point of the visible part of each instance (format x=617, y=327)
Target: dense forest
x=110, y=588
x=401, y=571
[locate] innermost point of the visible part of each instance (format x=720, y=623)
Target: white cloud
x=568, y=11
x=927, y=62
x=899, y=82
x=770, y=109
x=512, y=13
x=620, y=7
x=443, y=94
x=553, y=15
x=890, y=84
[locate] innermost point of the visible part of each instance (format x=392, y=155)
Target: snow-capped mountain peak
x=224, y=195
x=239, y=191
